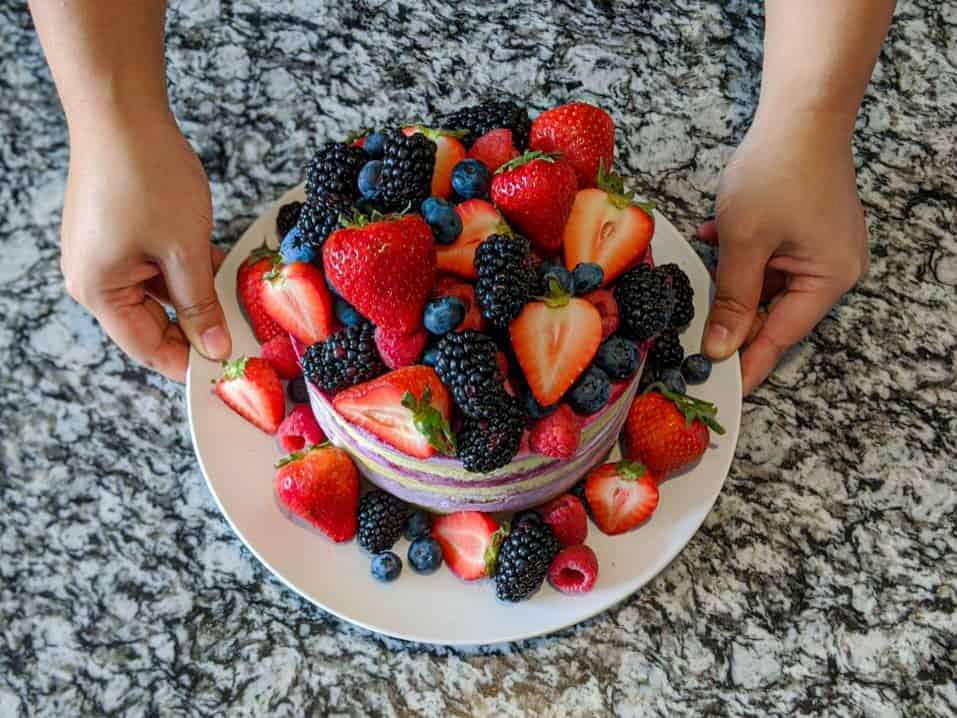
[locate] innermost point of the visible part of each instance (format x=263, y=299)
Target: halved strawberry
x=249, y=288
x=297, y=298
x=408, y=408
x=251, y=388
x=449, y=151
x=480, y=220
x=608, y=227
x=555, y=341
x=494, y=149
x=469, y=541
x=621, y=496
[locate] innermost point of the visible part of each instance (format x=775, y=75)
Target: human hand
x=791, y=233
x=136, y=235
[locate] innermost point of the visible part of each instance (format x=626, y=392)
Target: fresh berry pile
x=466, y=287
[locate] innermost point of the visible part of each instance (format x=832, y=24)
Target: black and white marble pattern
x=825, y=579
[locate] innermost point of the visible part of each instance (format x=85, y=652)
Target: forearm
x=818, y=57
x=107, y=59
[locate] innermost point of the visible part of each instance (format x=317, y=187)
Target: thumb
x=189, y=278
x=740, y=278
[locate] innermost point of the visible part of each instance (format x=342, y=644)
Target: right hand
x=136, y=235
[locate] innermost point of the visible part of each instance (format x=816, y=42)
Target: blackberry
x=380, y=516
x=490, y=443
x=645, y=302
x=666, y=352
x=684, y=295
x=467, y=366
x=287, y=217
x=334, y=170
x=523, y=560
x=407, y=164
x=487, y=116
x=319, y=218
x=505, y=277
x=346, y=358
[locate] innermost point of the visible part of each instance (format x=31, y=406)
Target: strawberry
x=621, y=496
x=399, y=350
x=667, y=431
x=535, y=193
x=566, y=515
x=408, y=408
x=607, y=307
x=608, y=226
x=480, y=220
x=384, y=267
x=278, y=351
x=297, y=298
x=251, y=388
x=470, y=541
x=249, y=287
x=300, y=429
x=555, y=341
x=449, y=151
x=574, y=570
x=556, y=435
x=494, y=149
x=582, y=133
x=321, y=485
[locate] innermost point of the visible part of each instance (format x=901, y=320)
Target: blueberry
x=696, y=369
x=386, y=566
x=471, y=179
x=443, y=314
x=297, y=390
x=590, y=392
x=370, y=179
x=332, y=290
x=673, y=380
x=558, y=273
x=430, y=355
x=526, y=516
x=417, y=523
x=346, y=313
x=374, y=145
x=293, y=250
x=443, y=219
x=618, y=358
x=588, y=277
x=536, y=410
x=425, y=555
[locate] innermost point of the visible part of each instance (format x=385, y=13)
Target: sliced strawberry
x=449, y=151
x=480, y=219
x=469, y=541
x=621, y=496
x=554, y=342
x=408, y=408
x=297, y=298
x=278, y=351
x=494, y=149
x=252, y=389
x=249, y=288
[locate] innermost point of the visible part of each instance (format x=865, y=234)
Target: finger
x=756, y=326
x=708, y=232
x=189, y=278
x=218, y=256
x=775, y=282
x=156, y=288
x=739, y=281
x=792, y=316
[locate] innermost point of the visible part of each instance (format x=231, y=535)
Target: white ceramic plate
x=237, y=461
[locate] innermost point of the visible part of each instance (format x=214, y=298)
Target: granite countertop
x=824, y=579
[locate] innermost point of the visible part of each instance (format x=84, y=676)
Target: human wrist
x=830, y=127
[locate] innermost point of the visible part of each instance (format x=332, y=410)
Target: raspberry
x=299, y=430
x=606, y=305
x=494, y=149
x=398, y=350
x=557, y=435
x=568, y=519
x=574, y=570
x=278, y=351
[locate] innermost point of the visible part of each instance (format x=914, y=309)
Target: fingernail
x=216, y=341
x=717, y=340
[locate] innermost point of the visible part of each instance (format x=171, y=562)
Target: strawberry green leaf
x=529, y=156
x=630, y=470
x=429, y=422
x=491, y=553
x=693, y=409
x=299, y=455
x=434, y=133
x=234, y=370
x=614, y=186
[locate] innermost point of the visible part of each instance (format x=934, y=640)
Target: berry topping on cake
x=471, y=179
x=297, y=390
x=607, y=307
x=684, y=295
x=408, y=409
x=287, y=217
x=696, y=369
x=443, y=314
x=278, y=351
x=346, y=358
x=399, y=349
x=587, y=277
x=252, y=389
x=469, y=541
x=523, y=561
x=320, y=217
x=407, y=165
x=645, y=302
x=334, y=169
x=299, y=430
x=296, y=297
x=582, y=133
x=346, y=313
x=449, y=152
x=321, y=486
x=567, y=517
x=505, y=277
x=480, y=220
x=441, y=216
x=380, y=516
x=666, y=352
x=574, y=570
x=417, y=523
x=490, y=442
x=618, y=358
x=468, y=367
x=557, y=435
x=481, y=119
x=621, y=496
x=494, y=149
x=249, y=286
x=536, y=192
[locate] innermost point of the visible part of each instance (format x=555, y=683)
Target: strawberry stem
x=298, y=455
x=358, y=220
x=434, y=133
x=555, y=296
x=692, y=407
x=429, y=422
x=630, y=470
x=491, y=553
x=235, y=369
x=529, y=156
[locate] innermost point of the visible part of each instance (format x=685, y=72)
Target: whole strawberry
x=321, y=486
x=384, y=267
x=249, y=285
x=582, y=133
x=666, y=431
x=536, y=192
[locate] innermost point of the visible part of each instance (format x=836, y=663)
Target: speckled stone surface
x=824, y=580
